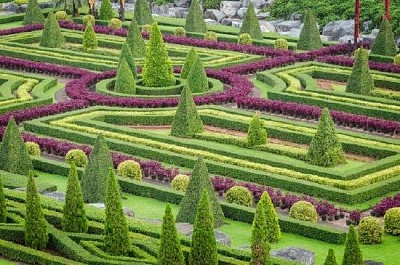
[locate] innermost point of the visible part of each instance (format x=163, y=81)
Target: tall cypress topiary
x=14, y=157
x=325, y=148
x=360, y=80
x=309, y=36
x=259, y=242
x=116, y=231
x=189, y=61
x=51, y=34
x=199, y=181
x=195, y=19
x=125, y=82
x=142, y=13
x=385, y=43
x=187, y=121
x=33, y=14
x=106, y=11
x=89, y=38
x=157, y=69
x=250, y=24
x=3, y=206
x=126, y=54
x=170, y=247
x=256, y=135
x=197, y=78
x=330, y=259
x=94, y=180
x=352, y=252
x=273, y=229
x=204, y=245
x=74, y=218
x=135, y=40
x=36, y=235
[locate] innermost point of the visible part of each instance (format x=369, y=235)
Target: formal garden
x=129, y=138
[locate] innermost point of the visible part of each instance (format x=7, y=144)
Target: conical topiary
x=360, y=80
x=195, y=19
x=352, y=252
x=51, y=34
x=204, y=245
x=135, y=40
x=187, y=121
x=14, y=157
x=33, y=14
x=142, y=13
x=94, y=180
x=309, y=36
x=128, y=57
x=199, y=181
x=256, y=135
x=325, y=148
x=106, y=11
x=116, y=231
x=74, y=218
x=250, y=24
x=273, y=230
x=170, y=247
x=36, y=235
x=3, y=205
x=197, y=78
x=89, y=38
x=330, y=259
x=125, y=82
x=385, y=43
x=189, y=61
x=157, y=69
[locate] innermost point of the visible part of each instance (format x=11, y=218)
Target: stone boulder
x=214, y=14
x=263, y=15
x=181, y=3
x=288, y=25
x=258, y=4
x=371, y=262
x=338, y=29
x=220, y=237
x=226, y=21
x=346, y=39
x=230, y=8
x=294, y=32
x=55, y=195
x=161, y=10
x=178, y=12
x=265, y=26
x=211, y=21
x=241, y=11
x=296, y=254
x=127, y=211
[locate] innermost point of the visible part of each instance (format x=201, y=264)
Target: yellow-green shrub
x=77, y=156
x=245, y=38
x=281, y=44
x=88, y=18
x=370, y=231
x=115, y=23
x=146, y=28
x=239, y=195
x=180, y=182
x=180, y=31
x=211, y=35
x=392, y=221
x=130, y=169
x=304, y=211
x=397, y=59
x=61, y=15
x=33, y=148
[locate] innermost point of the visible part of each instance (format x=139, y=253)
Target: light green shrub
x=370, y=231
x=88, y=18
x=106, y=11
x=180, y=182
x=245, y=38
x=33, y=148
x=130, y=169
x=115, y=23
x=180, y=31
x=76, y=156
x=256, y=135
x=62, y=15
x=397, y=59
x=304, y=211
x=281, y=44
x=239, y=195
x=392, y=221
x=21, y=2
x=146, y=28
x=89, y=38
x=211, y=35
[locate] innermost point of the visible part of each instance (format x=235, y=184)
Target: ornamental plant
x=126, y=54
x=352, y=252
x=281, y=44
x=273, y=230
x=204, y=246
x=89, y=18
x=51, y=34
x=304, y=211
x=130, y=169
x=170, y=251
x=94, y=179
x=106, y=11
x=256, y=135
x=180, y=31
x=325, y=148
x=360, y=80
x=239, y=195
x=197, y=77
x=187, y=121
x=61, y=15
x=157, y=69
x=116, y=233
x=211, y=4
x=397, y=59
x=3, y=204
x=250, y=24
x=125, y=81
x=195, y=19
x=74, y=215
x=245, y=39
x=142, y=13
x=33, y=14
x=89, y=38
x=146, y=28
x=370, y=231
x=259, y=242
x=14, y=157
x=36, y=235
x=385, y=43
x=199, y=181
x=76, y=156
x=309, y=36
x=330, y=259
x=392, y=221
x=115, y=23
x=191, y=57
x=32, y=148
x=180, y=182
x=135, y=40
x=211, y=35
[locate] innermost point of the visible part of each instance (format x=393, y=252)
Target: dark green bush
x=309, y=36
x=106, y=11
x=142, y=13
x=352, y=252
x=360, y=80
x=191, y=57
x=211, y=4
x=3, y=205
x=240, y=195
x=135, y=40
x=125, y=81
x=195, y=19
x=304, y=211
x=51, y=34
x=33, y=14
x=385, y=43
x=250, y=24
x=330, y=259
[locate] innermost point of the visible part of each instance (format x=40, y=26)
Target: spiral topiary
x=245, y=38
x=61, y=15
x=370, y=231
x=211, y=35
x=115, y=23
x=304, y=211
x=88, y=18
x=392, y=221
x=146, y=28
x=239, y=195
x=33, y=148
x=180, y=182
x=281, y=44
x=180, y=31
x=397, y=59
x=130, y=169
x=77, y=156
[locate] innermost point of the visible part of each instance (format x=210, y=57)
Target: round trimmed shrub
x=61, y=15
x=77, y=156
x=211, y=35
x=239, y=195
x=180, y=182
x=115, y=23
x=370, y=231
x=146, y=28
x=180, y=31
x=130, y=169
x=392, y=221
x=304, y=211
x=397, y=59
x=281, y=44
x=88, y=18
x=21, y=2
x=32, y=148
x=245, y=38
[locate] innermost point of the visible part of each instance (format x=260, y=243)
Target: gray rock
x=338, y=29
x=258, y=4
x=178, y=12
x=288, y=25
x=325, y=38
x=295, y=16
x=375, y=32
x=161, y=10
x=226, y=22
x=55, y=195
x=230, y=8
x=211, y=22
x=265, y=26
x=220, y=237
x=276, y=22
x=263, y=15
x=214, y=14
x=241, y=11
x=181, y=3
x=398, y=41
x=346, y=39
x=371, y=262
x=367, y=25
x=237, y=23
x=369, y=38
x=46, y=5
x=292, y=33
x=11, y=7
x=296, y=254
x=127, y=211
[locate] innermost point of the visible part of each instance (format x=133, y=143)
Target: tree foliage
x=142, y=13
x=197, y=77
x=360, y=80
x=330, y=259
x=125, y=81
x=189, y=61
x=51, y=34
x=33, y=14
x=309, y=36
x=352, y=252
x=106, y=11
x=89, y=38
x=256, y=135
x=195, y=19
x=3, y=205
x=385, y=43
x=259, y=242
x=250, y=24
x=273, y=230
x=135, y=40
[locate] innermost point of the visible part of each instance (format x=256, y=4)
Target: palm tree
x=71, y=6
